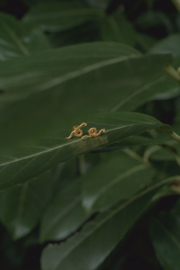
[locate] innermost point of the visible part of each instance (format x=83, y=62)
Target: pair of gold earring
x=77, y=132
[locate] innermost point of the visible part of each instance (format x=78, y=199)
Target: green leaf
x=17, y=38
x=171, y=44
x=29, y=160
x=99, y=4
x=59, y=16
x=144, y=41
x=174, y=91
x=88, y=249
x=41, y=91
x=64, y=215
x=87, y=32
x=118, y=178
x=165, y=237
x=168, y=151
x=117, y=28
x=53, y=69
x=153, y=19
x=22, y=206
x=32, y=2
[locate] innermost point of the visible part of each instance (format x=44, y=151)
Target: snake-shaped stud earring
x=77, y=132
x=93, y=133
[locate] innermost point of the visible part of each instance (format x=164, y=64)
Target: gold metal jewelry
x=77, y=132
x=93, y=133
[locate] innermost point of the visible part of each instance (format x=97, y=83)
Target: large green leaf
x=17, y=38
x=88, y=249
x=32, y=158
x=64, y=215
x=165, y=237
x=22, y=206
x=58, y=16
x=117, y=178
x=84, y=78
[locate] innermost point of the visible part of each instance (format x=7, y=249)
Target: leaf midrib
x=85, y=70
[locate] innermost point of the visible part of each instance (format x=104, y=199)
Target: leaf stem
x=169, y=132
x=176, y=4
x=172, y=72
x=150, y=151
x=135, y=155
x=175, y=136
x=82, y=165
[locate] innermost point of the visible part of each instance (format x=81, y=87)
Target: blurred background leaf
x=18, y=39
x=96, y=240
x=117, y=28
x=22, y=206
x=59, y=16
x=99, y=237
x=64, y=214
x=165, y=237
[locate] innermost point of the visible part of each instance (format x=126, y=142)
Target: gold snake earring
x=77, y=132
x=93, y=133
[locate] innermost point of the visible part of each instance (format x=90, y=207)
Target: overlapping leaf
x=99, y=237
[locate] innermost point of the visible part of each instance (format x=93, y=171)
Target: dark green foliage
x=109, y=202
